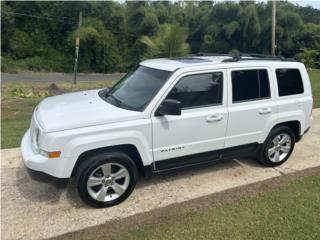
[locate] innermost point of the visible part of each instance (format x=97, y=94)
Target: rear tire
x=278, y=147
x=106, y=179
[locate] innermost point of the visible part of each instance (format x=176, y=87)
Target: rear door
x=251, y=105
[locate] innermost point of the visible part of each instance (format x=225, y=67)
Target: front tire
x=106, y=179
x=278, y=147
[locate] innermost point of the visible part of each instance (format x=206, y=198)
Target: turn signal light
x=54, y=154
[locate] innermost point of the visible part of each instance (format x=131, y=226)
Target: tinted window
x=137, y=88
x=250, y=85
x=289, y=82
x=198, y=90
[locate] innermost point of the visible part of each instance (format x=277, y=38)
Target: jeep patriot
x=168, y=114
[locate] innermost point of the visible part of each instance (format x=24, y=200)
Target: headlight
x=43, y=153
x=34, y=134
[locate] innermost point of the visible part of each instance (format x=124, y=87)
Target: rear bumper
x=35, y=161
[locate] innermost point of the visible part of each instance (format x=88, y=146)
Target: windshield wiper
x=117, y=101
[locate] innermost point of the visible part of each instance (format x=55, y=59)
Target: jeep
x=167, y=114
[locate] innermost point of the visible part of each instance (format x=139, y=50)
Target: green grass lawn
x=315, y=82
x=289, y=212
x=16, y=111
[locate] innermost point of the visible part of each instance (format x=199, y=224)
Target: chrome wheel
x=108, y=182
x=279, y=148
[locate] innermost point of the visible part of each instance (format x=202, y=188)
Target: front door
x=200, y=128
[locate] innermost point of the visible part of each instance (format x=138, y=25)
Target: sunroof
x=190, y=60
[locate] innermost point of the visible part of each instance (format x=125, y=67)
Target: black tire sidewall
x=92, y=163
x=264, y=157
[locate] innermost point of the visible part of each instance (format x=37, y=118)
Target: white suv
x=168, y=114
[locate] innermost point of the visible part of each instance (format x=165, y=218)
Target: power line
x=51, y=18
x=44, y=17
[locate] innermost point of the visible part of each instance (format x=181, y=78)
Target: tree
x=310, y=57
x=223, y=30
x=170, y=41
x=250, y=28
x=115, y=36
x=288, y=26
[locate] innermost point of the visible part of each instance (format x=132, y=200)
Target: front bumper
x=34, y=161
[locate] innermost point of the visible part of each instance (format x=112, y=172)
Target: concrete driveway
x=39, y=207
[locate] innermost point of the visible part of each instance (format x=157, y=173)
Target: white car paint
x=80, y=109
x=78, y=122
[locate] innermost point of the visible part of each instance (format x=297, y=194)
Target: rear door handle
x=214, y=118
x=265, y=111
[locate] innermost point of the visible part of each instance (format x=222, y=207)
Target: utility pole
x=75, y=69
x=273, y=40
x=104, y=55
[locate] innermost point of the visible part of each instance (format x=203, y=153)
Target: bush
x=18, y=92
x=56, y=62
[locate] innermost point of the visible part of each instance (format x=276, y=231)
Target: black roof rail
x=235, y=57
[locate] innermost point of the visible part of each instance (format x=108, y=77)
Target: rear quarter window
x=289, y=82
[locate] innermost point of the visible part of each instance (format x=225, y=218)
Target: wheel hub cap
x=108, y=182
x=280, y=147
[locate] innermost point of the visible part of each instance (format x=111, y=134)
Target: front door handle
x=265, y=111
x=214, y=118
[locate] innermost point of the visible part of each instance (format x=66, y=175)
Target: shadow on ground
x=40, y=187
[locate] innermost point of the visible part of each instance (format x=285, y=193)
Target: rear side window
x=248, y=85
x=289, y=82
x=198, y=90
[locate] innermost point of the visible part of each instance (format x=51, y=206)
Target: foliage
x=18, y=92
x=310, y=57
x=115, y=36
x=170, y=41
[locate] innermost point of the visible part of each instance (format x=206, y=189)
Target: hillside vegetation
x=40, y=35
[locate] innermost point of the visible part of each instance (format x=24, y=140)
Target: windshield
x=136, y=89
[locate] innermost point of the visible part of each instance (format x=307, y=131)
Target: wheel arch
x=129, y=149
x=294, y=125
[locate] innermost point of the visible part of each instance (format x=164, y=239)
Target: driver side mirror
x=169, y=107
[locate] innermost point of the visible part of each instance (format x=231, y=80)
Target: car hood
x=79, y=109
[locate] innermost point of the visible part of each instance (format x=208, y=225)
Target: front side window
x=137, y=89
x=198, y=90
x=248, y=85
x=289, y=82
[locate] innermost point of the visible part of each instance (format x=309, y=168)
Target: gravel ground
x=34, y=206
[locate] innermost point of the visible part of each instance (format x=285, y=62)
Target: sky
x=313, y=3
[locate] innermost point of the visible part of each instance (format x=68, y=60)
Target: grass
x=16, y=112
x=289, y=212
x=315, y=82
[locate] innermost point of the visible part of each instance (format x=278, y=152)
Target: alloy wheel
x=108, y=182
x=279, y=148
